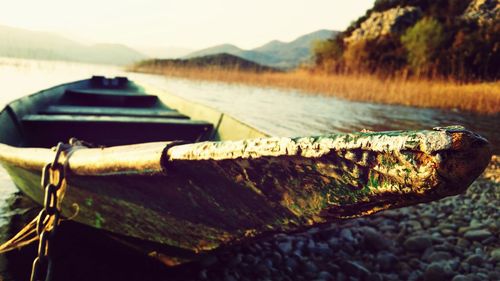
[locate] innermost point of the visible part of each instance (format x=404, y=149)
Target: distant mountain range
x=16, y=42
x=164, y=52
x=21, y=43
x=275, y=53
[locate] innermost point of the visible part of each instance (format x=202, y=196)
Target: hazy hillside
x=219, y=61
x=423, y=38
x=298, y=51
x=275, y=53
x=164, y=52
x=219, y=49
x=258, y=57
x=15, y=42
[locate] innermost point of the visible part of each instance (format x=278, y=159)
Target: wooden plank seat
x=112, y=111
x=103, y=82
x=107, y=97
x=47, y=130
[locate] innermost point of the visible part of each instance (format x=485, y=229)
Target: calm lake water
x=277, y=112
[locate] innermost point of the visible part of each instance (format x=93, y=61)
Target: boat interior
x=99, y=110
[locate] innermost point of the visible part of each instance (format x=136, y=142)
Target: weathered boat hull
x=199, y=196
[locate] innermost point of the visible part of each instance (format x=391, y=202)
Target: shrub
x=422, y=41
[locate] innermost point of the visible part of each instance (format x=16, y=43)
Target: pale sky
x=191, y=24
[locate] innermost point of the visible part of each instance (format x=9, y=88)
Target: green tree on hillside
x=422, y=41
x=328, y=53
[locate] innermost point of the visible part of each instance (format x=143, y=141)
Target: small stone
x=495, y=255
x=276, y=258
x=392, y=214
x=313, y=230
x=417, y=243
x=262, y=270
x=463, y=243
x=333, y=242
x=427, y=253
x=346, y=234
x=414, y=276
x=436, y=271
x=478, y=235
x=463, y=229
x=391, y=277
x=386, y=260
x=482, y=276
x=299, y=245
x=460, y=277
x=465, y=267
x=230, y=278
x=439, y=256
x=291, y=263
x=454, y=263
x=375, y=277
x=426, y=221
x=404, y=274
x=473, y=277
x=447, y=231
x=355, y=269
x=340, y=276
x=268, y=263
x=310, y=267
x=415, y=225
x=474, y=223
x=298, y=254
x=489, y=240
x=494, y=275
x=203, y=274
x=445, y=225
x=325, y=275
x=285, y=247
x=250, y=259
x=387, y=228
x=320, y=249
x=475, y=260
x=417, y=263
x=374, y=239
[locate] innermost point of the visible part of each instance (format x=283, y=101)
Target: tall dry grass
x=476, y=97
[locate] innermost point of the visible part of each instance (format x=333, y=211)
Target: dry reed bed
x=476, y=97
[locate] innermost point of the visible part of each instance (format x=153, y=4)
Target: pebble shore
x=456, y=239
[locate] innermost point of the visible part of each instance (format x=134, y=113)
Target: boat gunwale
x=8, y=104
x=154, y=157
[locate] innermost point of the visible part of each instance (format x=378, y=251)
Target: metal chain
x=48, y=219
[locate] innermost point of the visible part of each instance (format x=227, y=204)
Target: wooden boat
x=226, y=182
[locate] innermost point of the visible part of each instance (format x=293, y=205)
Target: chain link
x=48, y=219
